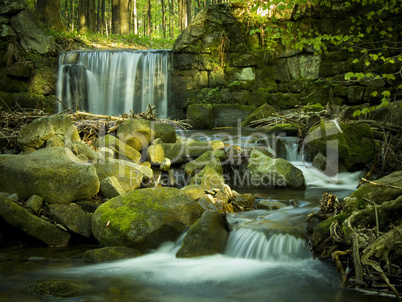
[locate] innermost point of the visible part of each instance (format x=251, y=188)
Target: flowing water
x=266, y=259
x=114, y=82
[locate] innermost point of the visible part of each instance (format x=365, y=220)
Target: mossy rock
x=57, y=289
x=207, y=236
x=261, y=112
x=110, y=253
x=145, y=218
x=313, y=108
x=288, y=129
x=200, y=116
x=354, y=145
x=285, y=100
x=378, y=193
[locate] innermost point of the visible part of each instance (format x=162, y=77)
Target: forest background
x=150, y=23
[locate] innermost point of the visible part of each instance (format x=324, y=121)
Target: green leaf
x=349, y=75
x=367, y=63
x=386, y=94
x=374, y=94
x=357, y=113
x=355, y=61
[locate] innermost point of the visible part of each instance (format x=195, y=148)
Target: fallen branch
x=380, y=184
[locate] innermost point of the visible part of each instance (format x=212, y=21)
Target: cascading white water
x=251, y=244
x=114, y=82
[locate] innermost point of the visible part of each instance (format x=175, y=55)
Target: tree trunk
x=124, y=17
x=172, y=19
x=72, y=4
x=149, y=18
x=135, y=17
x=188, y=4
x=115, y=17
x=91, y=13
x=102, y=24
x=163, y=18
x=82, y=17
x=49, y=13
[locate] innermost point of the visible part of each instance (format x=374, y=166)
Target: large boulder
x=34, y=226
x=36, y=134
x=139, y=133
x=352, y=146
x=268, y=172
x=207, y=236
x=32, y=37
x=179, y=152
x=55, y=174
x=143, y=219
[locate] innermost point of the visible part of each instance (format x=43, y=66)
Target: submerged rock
x=55, y=174
x=34, y=226
x=145, y=218
x=268, y=172
x=207, y=236
x=110, y=253
x=57, y=289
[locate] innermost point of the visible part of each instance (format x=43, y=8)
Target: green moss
x=313, y=108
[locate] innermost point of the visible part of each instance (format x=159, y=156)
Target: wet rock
x=110, y=253
x=207, y=236
x=211, y=176
x=12, y=6
x=156, y=154
x=73, y=217
x=194, y=191
x=265, y=171
x=376, y=193
x=34, y=226
x=35, y=135
x=20, y=71
x=55, y=174
x=165, y=165
x=121, y=150
x=270, y=205
x=352, y=146
x=34, y=204
x=200, y=116
x=129, y=174
x=80, y=148
x=110, y=187
x=244, y=202
x=179, y=152
x=144, y=218
x=264, y=111
x=199, y=163
x=290, y=129
x=139, y=133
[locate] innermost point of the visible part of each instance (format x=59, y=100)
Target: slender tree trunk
x=135, y=17
x=49, y=13
x=172, y=19
x=102, y=23
x=189, y=12
x=66, y=13
x=149, y=18
x=163, y=18
x=98, y=17
x=72, y=4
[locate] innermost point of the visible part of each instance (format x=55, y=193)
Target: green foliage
x=368, y=36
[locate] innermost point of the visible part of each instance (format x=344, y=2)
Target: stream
x=266, y=259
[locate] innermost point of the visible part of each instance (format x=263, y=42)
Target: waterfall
x=114, y=82
x=251, y=244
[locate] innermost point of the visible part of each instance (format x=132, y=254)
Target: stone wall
x=217, y=62
x=28, y=59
